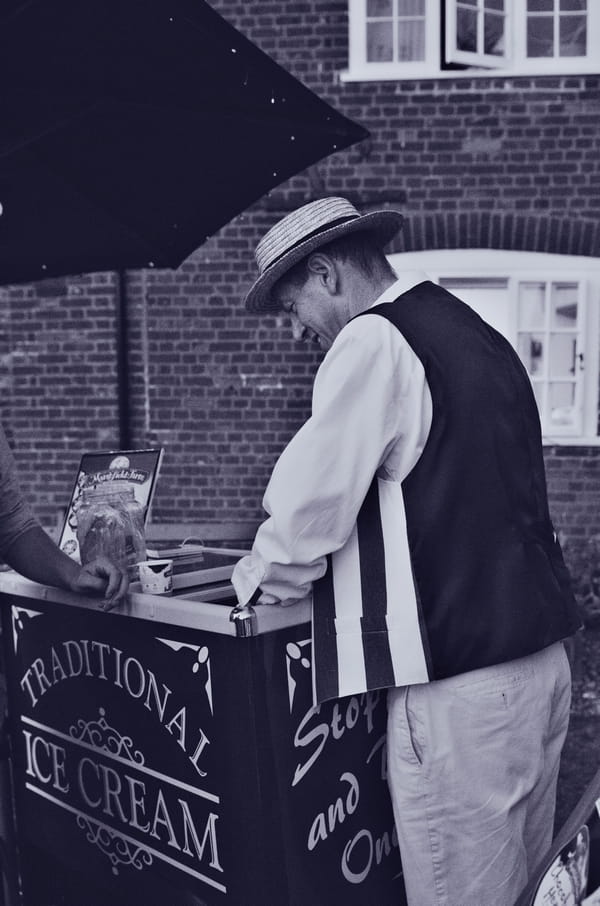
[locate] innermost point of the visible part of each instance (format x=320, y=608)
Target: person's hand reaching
x=102, y=577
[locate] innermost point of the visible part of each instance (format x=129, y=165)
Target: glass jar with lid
x=137, y=540
x=110, y=523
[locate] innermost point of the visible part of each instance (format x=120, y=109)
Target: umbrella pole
x=122, y=342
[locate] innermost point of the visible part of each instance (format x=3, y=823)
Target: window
x=420, y=38
x=393, y=36
x=549, y=313
x=550, y=317
x=395, y=30
x=557, y=28
x=544, y=320
x=476, y=32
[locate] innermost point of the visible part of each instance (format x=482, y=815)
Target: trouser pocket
x=404, y=728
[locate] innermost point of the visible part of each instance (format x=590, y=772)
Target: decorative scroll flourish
x=297, y=660
x=200, y=664
x=100, y=735
x=19, y=617
x=119, y=850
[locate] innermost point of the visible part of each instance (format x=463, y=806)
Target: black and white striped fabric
x=366, y=618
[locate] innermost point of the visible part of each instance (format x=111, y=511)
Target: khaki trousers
x=472, y=767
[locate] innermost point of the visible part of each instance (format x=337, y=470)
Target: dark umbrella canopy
x=131, y=130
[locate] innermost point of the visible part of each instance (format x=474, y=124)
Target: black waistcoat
x=488, y=570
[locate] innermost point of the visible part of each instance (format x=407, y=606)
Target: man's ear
x=323, y=267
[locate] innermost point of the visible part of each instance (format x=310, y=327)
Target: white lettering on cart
x=325, y=823
x=124, y=797
x=96, y=659
x=341, y=720
x=357, y=860
x=41, y=753
x=380, y=747
x=155, y=806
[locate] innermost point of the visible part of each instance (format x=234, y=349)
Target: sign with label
x=158, y=764
x=566, y=879
x=570, y=873
x=135, y=469
x=115, y=750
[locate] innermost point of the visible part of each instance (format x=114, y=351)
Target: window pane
x=466, y=27
x=566, y=5
x=573, y=36
x=379, y=42
x=494, y=34
x=411, y=40
x=563, y=347
x=531, y=350
x=564, y=305
x=562, y=403
x=378, y=8
x=540, y=6
x=411, y=7
x=532, y=306
x=494, y=4
x=468, y=2
x=540, y=36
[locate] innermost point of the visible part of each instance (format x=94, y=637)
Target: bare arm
x=36, y=556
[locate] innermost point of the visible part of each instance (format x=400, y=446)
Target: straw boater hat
x=304, y=230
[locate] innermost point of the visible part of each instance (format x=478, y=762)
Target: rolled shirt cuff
x=246, y=578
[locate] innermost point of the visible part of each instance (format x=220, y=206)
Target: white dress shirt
x=371, y=414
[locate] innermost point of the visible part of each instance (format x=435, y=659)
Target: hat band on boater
x=321, y=229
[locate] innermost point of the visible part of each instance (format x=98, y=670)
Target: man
x=26, y=547
x=413, y=503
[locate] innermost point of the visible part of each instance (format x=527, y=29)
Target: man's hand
x=100, y=576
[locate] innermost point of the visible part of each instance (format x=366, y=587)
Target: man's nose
x=298, y=329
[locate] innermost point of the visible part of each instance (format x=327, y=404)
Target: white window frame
x=516, y=267
x=556, y=64
x=362, y=70
x=579, y=377
x=514, y=63
x=475, y=58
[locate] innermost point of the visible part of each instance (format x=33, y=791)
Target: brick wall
x=59, y=380
x=573, y=475
x=493, y=162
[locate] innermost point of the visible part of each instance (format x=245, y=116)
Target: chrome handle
x=244, y=618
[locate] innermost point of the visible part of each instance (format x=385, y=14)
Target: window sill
x=379, y=73
x=564, y=441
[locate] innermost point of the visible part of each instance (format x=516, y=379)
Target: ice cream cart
x=168, y=754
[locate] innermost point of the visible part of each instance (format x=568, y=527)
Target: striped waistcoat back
x=458, y=566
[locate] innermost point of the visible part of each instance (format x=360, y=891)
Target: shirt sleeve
x=16, y=516
x=367, y=398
